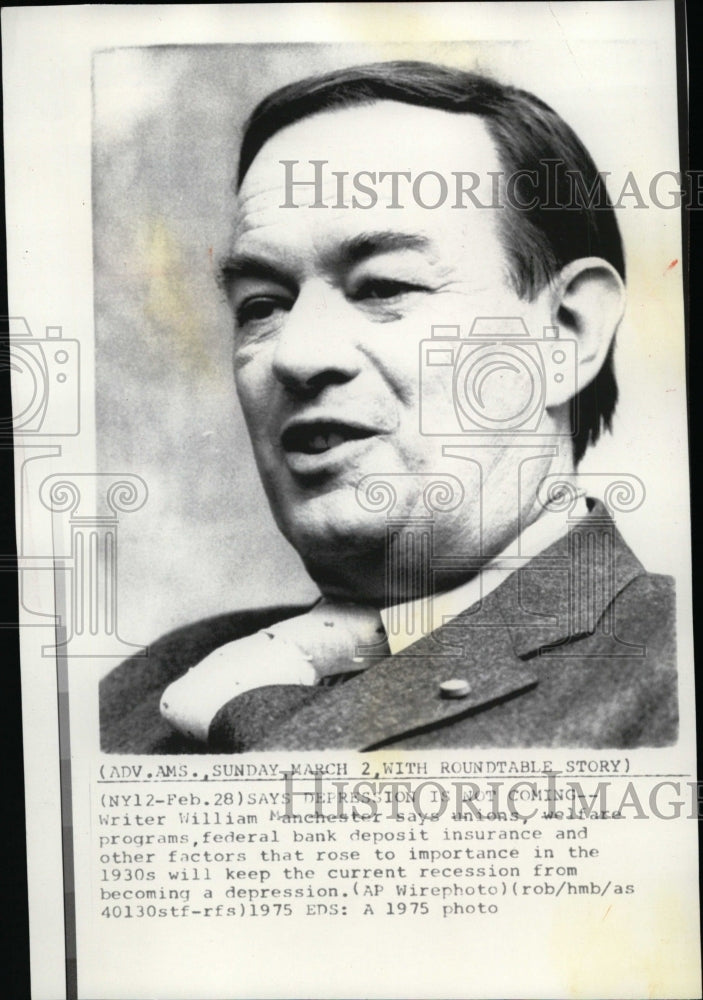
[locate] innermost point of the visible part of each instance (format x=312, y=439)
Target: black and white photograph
x=348, y=350
x=422, y=278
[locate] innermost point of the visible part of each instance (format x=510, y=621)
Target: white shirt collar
x=408, y=622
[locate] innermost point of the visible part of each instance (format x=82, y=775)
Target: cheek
x=394, y=355
x=253, y=397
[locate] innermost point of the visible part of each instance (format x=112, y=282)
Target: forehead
x=385, y=135
x=358, y=145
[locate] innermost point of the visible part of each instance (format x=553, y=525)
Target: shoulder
x=650, y=599
x=129, y=694
x=641, y=678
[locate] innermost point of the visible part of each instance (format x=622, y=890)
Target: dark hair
x=529, y=136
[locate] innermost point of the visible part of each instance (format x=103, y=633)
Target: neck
x=425, y=555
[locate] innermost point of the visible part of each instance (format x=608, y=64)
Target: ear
x=586, y=304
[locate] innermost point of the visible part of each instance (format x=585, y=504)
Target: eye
x=383, y=288
x=258, y=308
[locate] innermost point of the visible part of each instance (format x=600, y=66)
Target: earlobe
x=587, y=305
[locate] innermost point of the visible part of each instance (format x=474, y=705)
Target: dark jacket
x=574, y=649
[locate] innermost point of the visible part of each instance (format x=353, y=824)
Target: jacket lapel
x=494, y=646
x=567, y=591
x=402, y=693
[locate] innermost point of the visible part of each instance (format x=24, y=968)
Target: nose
x=316, y=346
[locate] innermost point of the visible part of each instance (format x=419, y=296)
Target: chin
x=350, y=578
x=336, y=537
x=342, y=551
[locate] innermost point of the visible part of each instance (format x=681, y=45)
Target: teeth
x=315, y=439
x=323, y=442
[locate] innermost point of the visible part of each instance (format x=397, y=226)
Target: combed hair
x=528, y=134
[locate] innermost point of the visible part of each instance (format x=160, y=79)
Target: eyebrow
x=353, y=250
x=249, y=266
x=365, y=245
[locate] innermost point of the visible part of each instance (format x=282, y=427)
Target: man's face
x=331, y=305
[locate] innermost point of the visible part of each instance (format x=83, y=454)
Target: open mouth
x=320, y=436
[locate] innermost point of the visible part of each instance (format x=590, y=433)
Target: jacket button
x=457, y=687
